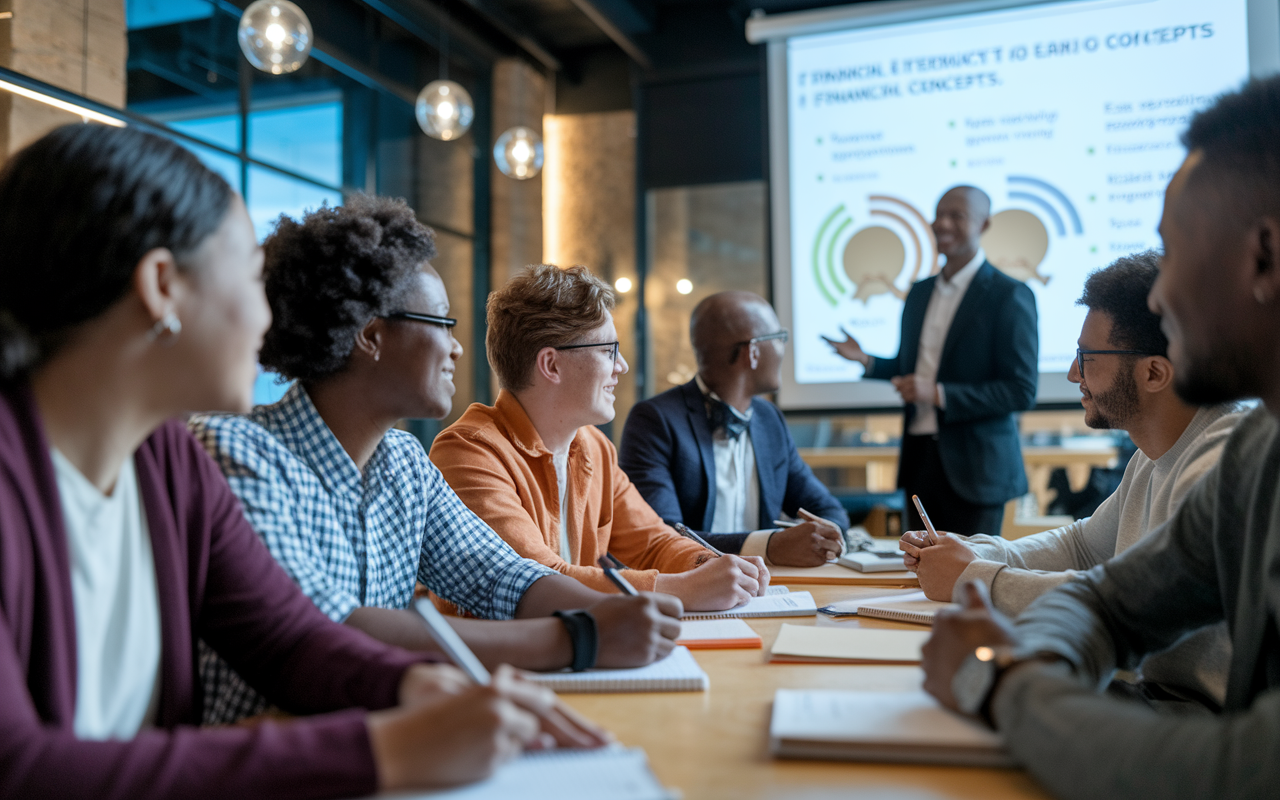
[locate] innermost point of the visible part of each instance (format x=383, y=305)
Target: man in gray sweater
x=1128, y=386
x=1217, y=558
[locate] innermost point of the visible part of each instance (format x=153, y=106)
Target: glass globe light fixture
x=275, y=36
x=518, y=153
x=444, y=110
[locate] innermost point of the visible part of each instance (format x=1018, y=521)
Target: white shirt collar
x=961, y=280
x=706, y=392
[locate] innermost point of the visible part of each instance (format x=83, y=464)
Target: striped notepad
x=678, y=672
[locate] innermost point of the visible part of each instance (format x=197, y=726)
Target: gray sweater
x=1017, y=572
x=1218, y=558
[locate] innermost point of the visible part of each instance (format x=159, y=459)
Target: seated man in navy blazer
x=713, y=456
x=966, y=364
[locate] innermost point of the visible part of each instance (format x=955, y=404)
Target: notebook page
x=849, y=644
x=794, y=604
x=855, y=596
x=611, y=773
x=678, y=672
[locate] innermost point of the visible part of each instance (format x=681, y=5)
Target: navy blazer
x=667, y=453
x=989, y=370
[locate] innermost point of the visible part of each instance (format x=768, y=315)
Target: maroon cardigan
x=215, y=580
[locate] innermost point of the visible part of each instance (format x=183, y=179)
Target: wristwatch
x=972, y=684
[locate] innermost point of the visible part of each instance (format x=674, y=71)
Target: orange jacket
x=496, y=462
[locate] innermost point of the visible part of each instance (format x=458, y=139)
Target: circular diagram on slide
x=895, y=247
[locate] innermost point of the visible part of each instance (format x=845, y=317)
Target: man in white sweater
x=1126, y=383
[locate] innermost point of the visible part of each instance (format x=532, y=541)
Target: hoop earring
x=168, y=326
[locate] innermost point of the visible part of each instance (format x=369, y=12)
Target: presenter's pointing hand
x=849, y=348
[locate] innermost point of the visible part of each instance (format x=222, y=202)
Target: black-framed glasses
x=781, y=335
x=447, y=322
x=614, y=345
x=1081, y=353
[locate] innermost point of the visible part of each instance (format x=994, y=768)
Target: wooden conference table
x=714, y=744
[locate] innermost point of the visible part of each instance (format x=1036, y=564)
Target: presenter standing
x=966, y=364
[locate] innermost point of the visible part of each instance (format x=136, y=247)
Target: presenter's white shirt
x=938, y=317
x=113, y=588
x=737, y=490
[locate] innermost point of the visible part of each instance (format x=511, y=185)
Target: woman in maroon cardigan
x=130, y=292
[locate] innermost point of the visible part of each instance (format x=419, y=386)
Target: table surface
x=714, y=744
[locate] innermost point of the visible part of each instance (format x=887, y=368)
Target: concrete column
x=78, y=45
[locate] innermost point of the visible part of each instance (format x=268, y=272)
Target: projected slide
x=1067, y=115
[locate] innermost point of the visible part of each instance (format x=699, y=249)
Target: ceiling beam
x=619, y=19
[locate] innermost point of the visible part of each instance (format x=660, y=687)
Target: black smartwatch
x=582, y=636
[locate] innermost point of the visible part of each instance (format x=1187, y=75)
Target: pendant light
x=275, y=35
x=444, y=109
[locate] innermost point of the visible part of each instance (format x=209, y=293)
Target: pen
x=683, y=530
x=933, y=534
x=606, y=563
x=782, y=523
x=451, y=642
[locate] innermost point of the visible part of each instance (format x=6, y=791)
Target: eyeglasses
x=445, y=322
x=779, y=335
x=614, y=345
x=1081, y=353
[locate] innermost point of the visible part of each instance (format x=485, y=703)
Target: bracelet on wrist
x=583, y=637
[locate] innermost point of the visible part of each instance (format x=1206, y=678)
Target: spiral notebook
x=792, y=604
x=678, y=672
x=610, y=773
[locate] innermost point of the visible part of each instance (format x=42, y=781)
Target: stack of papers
x=799, y=644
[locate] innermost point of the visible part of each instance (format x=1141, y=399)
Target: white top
x=113, y=587
x=943, y=304
x=1017, y=572
x=737, y=490
x=561, y=460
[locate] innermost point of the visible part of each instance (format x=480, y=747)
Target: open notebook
x=678, y=672
x=610, y=773
x=718, y=634
x=899, y=606
x=802, y=644
x=878, y=726
x=792, y=604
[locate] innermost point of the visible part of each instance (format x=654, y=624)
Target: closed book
x=867, y=561
x=803, y=644
x=678, y=672
x=718, y=634
x=792, y=604
x=902, y=727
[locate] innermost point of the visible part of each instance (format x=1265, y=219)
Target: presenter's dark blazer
x=989, y=370
x=667, y=453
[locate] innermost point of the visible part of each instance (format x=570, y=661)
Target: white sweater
x=1017, y=572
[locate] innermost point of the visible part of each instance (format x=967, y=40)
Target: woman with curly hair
x=351, y=507
x=130, y=293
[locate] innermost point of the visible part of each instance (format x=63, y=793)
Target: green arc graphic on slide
x=837, y=289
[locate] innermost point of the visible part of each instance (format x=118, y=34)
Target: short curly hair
x=542, y=306
x=1120, y=291
x=330, y=274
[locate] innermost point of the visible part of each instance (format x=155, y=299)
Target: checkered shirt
x=350, y=539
